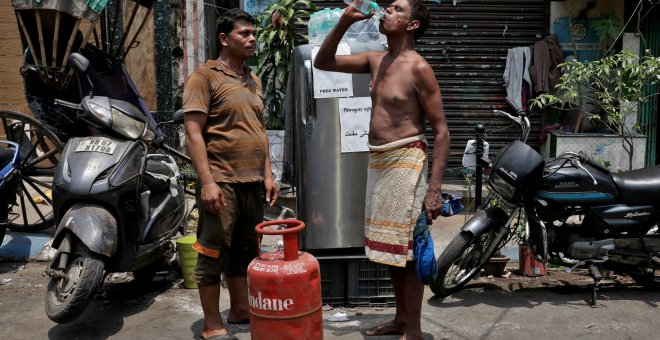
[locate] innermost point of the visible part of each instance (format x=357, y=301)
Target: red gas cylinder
x=528, y=265
x=284, y=289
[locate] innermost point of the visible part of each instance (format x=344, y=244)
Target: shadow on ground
x=104, y=317
x=557, y=288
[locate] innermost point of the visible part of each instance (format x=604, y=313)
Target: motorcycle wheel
x=459, y=263
x=647, y=277
x=67, y=297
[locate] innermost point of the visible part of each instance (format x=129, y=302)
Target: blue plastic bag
x=451, y=204
x=425, y=262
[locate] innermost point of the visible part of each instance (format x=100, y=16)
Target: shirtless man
x=404, y=92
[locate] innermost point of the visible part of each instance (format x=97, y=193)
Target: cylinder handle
x=289, y=235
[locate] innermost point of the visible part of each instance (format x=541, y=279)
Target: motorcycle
x=9, y=160
x=117, y=200
x=574, y=212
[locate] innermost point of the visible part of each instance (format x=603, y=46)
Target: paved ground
x=550, y=307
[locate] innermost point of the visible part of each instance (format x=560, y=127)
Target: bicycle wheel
x=40, y=151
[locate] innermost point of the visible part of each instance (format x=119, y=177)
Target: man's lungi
x=396, y=185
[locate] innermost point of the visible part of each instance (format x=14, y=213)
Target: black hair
x=419, y=12
x=228, y=19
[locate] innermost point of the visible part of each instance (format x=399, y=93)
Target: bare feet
x=391, y=327
x=210, y=333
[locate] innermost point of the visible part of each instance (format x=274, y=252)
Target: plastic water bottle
x=366, y=7
x=313, y=28
x=325, y=23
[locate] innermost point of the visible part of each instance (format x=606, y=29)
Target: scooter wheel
x=68, y=296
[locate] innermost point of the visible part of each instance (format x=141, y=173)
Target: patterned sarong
x=396, y=185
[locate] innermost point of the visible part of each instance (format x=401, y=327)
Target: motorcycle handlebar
x=519, y=118
x=70, y=105
x=175, y=152
x=587, y=160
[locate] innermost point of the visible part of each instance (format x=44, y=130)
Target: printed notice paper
x=332, y=84
x=354, y=118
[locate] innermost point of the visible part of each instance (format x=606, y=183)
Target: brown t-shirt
x=235, y=137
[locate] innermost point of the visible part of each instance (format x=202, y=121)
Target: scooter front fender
x=94, y=225
x=483, y=220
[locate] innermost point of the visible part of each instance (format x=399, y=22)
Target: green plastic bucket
x=187, y=259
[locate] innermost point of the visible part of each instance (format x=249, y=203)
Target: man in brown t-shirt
x=223, y=108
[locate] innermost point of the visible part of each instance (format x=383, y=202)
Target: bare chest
x=395, y=88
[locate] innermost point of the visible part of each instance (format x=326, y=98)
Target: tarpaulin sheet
x=81, y=9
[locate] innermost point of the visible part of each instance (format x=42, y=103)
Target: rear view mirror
x=78, y=62
x=177, y=117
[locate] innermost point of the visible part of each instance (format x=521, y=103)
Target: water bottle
x=366, y=7
x=313, y=28
x=325, y=23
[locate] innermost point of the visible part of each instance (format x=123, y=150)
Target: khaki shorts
x=228, y=243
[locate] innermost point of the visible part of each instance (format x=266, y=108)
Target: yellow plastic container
x=187, y=259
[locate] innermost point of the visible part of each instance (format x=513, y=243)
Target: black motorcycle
x=574, y=212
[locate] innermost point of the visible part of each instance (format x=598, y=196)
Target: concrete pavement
x=551, y=307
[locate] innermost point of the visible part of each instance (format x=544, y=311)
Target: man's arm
x=327, y=60
x=210, y=194
x=431, y=101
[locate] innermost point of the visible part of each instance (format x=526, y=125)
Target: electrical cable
x=624, y=27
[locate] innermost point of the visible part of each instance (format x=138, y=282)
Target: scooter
x=9, y=159
x=117, y=202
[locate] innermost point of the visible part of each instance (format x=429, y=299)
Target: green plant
x=602, y=161
x=277, y=29
x=607, y=27
x=614, y=85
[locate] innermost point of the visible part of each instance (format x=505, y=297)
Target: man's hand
x=432, y=205
x=272, y=191
x=212, y=198
x=352, y=14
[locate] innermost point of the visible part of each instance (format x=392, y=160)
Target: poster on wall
x=587, y=44
x=332, y=84
x=256, y=7
x=354, y=118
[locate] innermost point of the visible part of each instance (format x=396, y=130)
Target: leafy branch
x=277, y=30
x=614, y=85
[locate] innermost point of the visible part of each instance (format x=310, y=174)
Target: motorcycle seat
x=639, y=186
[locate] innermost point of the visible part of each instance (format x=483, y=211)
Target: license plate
x=100, y=144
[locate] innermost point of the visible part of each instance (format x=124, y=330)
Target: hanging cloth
x=516, y=71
